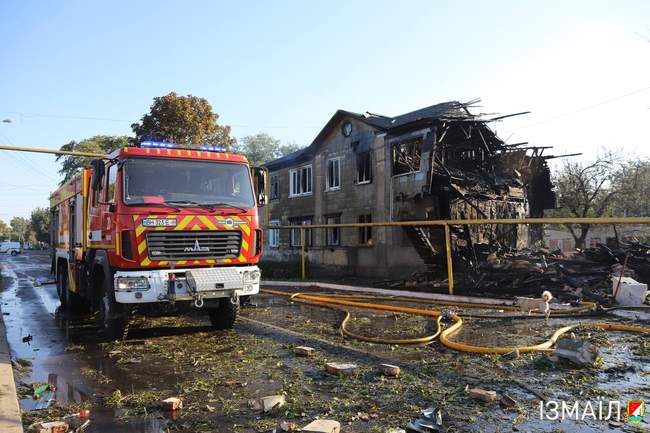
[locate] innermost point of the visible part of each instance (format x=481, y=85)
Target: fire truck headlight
x=251, y=277
x=131, y=283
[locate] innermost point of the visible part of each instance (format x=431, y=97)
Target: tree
x=103, y=144
x=5, y=231
x=20, y=228
x=40, y=224
x=262, y=148
x=633, y=177
x=187, y=120
x=588, y=190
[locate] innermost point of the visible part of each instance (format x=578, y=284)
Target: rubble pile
x=495, y=270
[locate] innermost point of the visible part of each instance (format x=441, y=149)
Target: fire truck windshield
x=195, y=182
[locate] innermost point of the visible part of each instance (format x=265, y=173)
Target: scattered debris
x=341, y=368
x=430, y=420
x=267, y=404
x=576, y=351
x=507, y=401
x=389, y=369
x=629, y=292
x=288, y=426
x=77, y=421
x=304, y=351
x=49, y=427
x=172, y=403
x=322, y=426
x=481, y=394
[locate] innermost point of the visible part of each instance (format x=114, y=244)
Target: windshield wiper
x=163, y=204
x=190, y=203
x=228, y=205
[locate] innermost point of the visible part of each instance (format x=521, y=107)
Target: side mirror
x=260, y=177
x=98, y=174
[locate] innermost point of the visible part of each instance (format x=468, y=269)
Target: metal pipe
x=303, y=271
x=425, y=223
x=51, y=151
x=450, y=269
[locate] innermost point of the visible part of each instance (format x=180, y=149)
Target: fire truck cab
x=156, y=225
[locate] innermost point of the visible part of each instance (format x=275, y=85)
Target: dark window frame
x=365, y=233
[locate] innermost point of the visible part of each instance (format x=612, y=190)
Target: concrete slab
x=322, y=426
x=10, y=421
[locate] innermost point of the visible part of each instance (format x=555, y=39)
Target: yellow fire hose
x=334, y=301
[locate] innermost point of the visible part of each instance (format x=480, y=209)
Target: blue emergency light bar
x=213, y=148
x=167, y=145
x=160, y=144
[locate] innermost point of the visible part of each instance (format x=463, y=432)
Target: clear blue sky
x=285, y=67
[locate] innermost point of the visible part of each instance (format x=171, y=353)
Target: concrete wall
x=386, y=256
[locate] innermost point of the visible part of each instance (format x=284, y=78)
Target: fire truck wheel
x=111, y=317
x=62, y=288
x=224, y=316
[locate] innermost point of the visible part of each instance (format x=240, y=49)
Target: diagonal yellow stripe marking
x=196, y=227
x=245, y=229
x=205, y=220
x=145, y=262
x=181, y=262
x=184, y=222
x=135, y=217
x=242, y=259
x=227, y=260
x=244, y=245
x=139, y=230
x=142, y=246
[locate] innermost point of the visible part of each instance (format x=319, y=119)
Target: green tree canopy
x=262, y=148
x=187, y=120
x=20, y=228
x=40, y=224
x=104, y=144
x=5, y=231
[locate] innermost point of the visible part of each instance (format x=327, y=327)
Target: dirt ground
x=216, y=373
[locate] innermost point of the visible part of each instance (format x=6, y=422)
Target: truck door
x=102, y=206
x=108, y=205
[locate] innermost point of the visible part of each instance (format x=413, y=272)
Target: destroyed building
x=438, y=162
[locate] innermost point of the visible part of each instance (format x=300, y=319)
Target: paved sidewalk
x=9, y=410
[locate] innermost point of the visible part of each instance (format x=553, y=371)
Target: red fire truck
x=159, y=225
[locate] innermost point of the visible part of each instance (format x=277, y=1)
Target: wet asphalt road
x=31, y=309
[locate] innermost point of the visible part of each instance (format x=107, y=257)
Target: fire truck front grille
x=193, y=245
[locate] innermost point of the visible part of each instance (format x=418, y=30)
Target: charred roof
x=445, y=111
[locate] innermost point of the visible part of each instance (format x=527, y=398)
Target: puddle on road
x=32, y=311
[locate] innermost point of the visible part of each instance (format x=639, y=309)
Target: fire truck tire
x=111, y=316
x=72, y=302
x=62, y=288
x=224, y=316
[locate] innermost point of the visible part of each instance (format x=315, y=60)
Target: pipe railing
x=446, y=224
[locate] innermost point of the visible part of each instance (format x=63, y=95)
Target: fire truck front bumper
x=167, y=285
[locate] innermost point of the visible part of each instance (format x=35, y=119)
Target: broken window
x=274, y=234
x=365, y=233
x=333, y=174
x=407, y=156
x=275, y=187
x=333, y=235
x=364, y=167
x=295, y=233
x=300, y=181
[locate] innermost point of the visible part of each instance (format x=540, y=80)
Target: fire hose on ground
x=337, y=302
